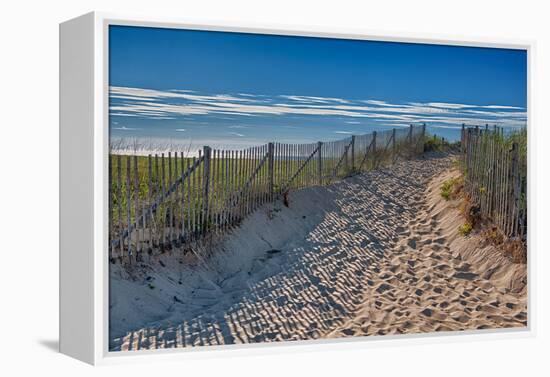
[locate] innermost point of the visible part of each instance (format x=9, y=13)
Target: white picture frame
x=83, y=190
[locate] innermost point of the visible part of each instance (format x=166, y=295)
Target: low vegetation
x=465, y=229
x=513, y=249
x=451, y=188
x=434, y=143
x=496, y=200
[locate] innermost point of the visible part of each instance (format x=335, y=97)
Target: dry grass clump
x=514, y=249
x=493, y=236
x=470, y=211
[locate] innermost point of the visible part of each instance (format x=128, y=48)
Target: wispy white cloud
x=502, y=107
x=380, y=103
x=310, y=99
x=173, y=104
x=442, y=105
x=153, y=94
x=124, y=128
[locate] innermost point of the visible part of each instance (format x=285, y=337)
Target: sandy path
x=362, y=256
x=427, y=283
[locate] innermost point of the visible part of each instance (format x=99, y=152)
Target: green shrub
x=439, y=144
x=449, y=188
x=465, y=229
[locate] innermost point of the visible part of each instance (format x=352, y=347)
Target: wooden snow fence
x=495, y=170
x=164, y=201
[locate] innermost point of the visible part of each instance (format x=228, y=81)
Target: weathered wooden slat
x=319, y=163
x=111, y=209
x=129, y=205
x=119, y=206
x=515, y=190
x=214, y=184
x=157, y=191
x=170, y=204
x=194, y=202
x=149, y=200
x=410, y=141
x=182, y=203
x=393, y=148
x=206, y=188
x=226, y=190
x=162, y=190
x=189, y=212
x=198, y=199
x=136, y=206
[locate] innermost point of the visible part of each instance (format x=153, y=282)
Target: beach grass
x=149, y=183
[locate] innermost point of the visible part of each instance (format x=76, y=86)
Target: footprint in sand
x=412, y=243
x=383, y=288
x=440, y=240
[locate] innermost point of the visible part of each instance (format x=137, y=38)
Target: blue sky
x=236, y=89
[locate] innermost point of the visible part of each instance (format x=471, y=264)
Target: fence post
x=393, y=144
x=162, y=185
x=410, y=139
x=346, y=162
x=352, y=152
x=119, y=205
x=270, y=158
x=319, y=163
x=423, y=136
x=515, y=189
x=128, y=207
x=150, y=199
x=206, y=185
x=170, y=207
x=467, y=159
x=493, y=176
x=110, y=181
x=136, y=207
x=463, y=140
x=373, y=149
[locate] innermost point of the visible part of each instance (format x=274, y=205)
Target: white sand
x=377, y=253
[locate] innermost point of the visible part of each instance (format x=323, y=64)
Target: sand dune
x=378, y=253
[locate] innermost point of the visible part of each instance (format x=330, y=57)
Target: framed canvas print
x=225, y=186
